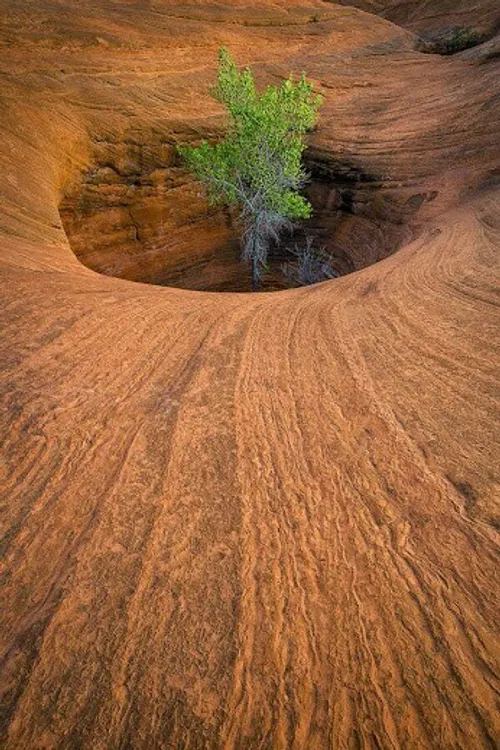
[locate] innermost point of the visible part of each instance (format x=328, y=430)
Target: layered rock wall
x=246, y=520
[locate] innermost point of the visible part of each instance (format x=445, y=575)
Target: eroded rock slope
x=235, y=520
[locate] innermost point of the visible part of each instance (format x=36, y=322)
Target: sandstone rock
x=246, y=520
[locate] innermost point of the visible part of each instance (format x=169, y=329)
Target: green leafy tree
x=258, y=165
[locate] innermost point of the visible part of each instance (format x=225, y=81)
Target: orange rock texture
x=248, y=520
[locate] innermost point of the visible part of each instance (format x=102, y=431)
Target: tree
x=258, y=165
x=310, y=265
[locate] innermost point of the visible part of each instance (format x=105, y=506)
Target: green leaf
x=258, y=165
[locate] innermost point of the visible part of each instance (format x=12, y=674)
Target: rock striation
x=247, y=520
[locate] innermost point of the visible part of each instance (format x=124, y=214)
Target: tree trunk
x=252, y=250
x=255, y=274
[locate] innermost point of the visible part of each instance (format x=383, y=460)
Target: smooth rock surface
x=236, y=520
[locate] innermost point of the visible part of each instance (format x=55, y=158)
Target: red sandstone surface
x=248, y=520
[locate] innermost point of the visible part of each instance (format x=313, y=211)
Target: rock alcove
x=136, y=213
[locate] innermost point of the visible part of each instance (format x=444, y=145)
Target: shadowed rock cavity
x=137, y=214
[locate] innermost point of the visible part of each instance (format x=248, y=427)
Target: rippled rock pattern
x=247, y=520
